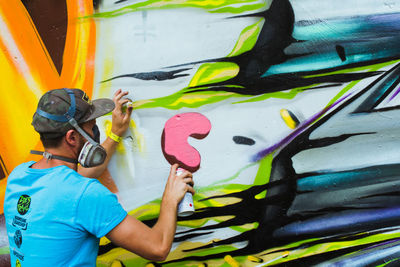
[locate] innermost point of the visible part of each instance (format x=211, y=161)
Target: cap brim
x=100, y=107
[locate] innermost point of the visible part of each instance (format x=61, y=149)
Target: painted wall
x=286, y=111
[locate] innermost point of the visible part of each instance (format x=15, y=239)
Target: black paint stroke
x=275, y=36
x=341, y=52
x=3, y=169
x=386, y=84
x=242, y=140
x=155, y=75
x=281, y=82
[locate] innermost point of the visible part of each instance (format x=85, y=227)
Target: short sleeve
x=98, y=210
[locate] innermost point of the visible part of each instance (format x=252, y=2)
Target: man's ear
x=72, y=137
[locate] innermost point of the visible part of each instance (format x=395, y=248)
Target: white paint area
x=150, y=41
x=178, y=36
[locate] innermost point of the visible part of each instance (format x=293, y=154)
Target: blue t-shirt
x=55, y=216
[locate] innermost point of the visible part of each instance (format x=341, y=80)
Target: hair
x=51, y=142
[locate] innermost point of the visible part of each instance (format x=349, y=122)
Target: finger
x=190, y=189
x=116, y=93
x=129, y=111
x=118, y=102
x=185, y=174
x=121, y=94
x=124, y=101
x=189, y=181
x=172, y=172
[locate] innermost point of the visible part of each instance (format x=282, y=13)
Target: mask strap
x=73, y=122
x=49, y=156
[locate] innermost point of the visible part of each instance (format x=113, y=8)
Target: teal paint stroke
x=347, y=178
x=363, y=38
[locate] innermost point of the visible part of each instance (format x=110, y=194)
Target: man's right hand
x=178, y=185
x=120, y=119
x=158, y=239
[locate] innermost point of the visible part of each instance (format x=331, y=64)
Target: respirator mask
x=92, y=153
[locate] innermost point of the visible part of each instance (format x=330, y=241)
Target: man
x=55, y=216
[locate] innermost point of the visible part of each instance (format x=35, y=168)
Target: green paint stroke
x=373, y=67
x=181, y=99
x=214, y=73
x=186, y=99
x=214, y=250
x=224, y=181
x=247, y=39
x=388, y=262
x=264, y=171
x=212, y=6
x=370, y=68
x=281, y=94
x=335, y=246
x=242, y=229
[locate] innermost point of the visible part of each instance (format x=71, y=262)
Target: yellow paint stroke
x=214, y=73
x=193, y=98
x=117, y=263
x=247, y=39
x=80, y=47
x=288, y=118
x=138, y=137
x=254, y=259
x=231, y=261
x=140, y=140
x=28, y=71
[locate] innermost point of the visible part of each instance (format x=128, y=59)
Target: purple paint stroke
x=381, y=244
x=385, y=18
x=394, y=95
x=295, y=133
x=338, y=222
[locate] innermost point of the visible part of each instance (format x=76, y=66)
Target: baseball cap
x=59, y=102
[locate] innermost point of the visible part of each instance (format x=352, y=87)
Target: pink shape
x=174, y=142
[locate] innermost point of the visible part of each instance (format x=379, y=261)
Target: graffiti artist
x=56, y=216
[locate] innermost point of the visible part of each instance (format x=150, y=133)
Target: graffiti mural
x=286, y=111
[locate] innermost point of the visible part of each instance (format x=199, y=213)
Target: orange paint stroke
x=28, y=71
x=80, y=47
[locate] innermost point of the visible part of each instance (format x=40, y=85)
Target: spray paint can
x=127, y=105
x=186, y=206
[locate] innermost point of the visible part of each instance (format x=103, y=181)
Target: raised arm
x=155, y=243
x=120, y=123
